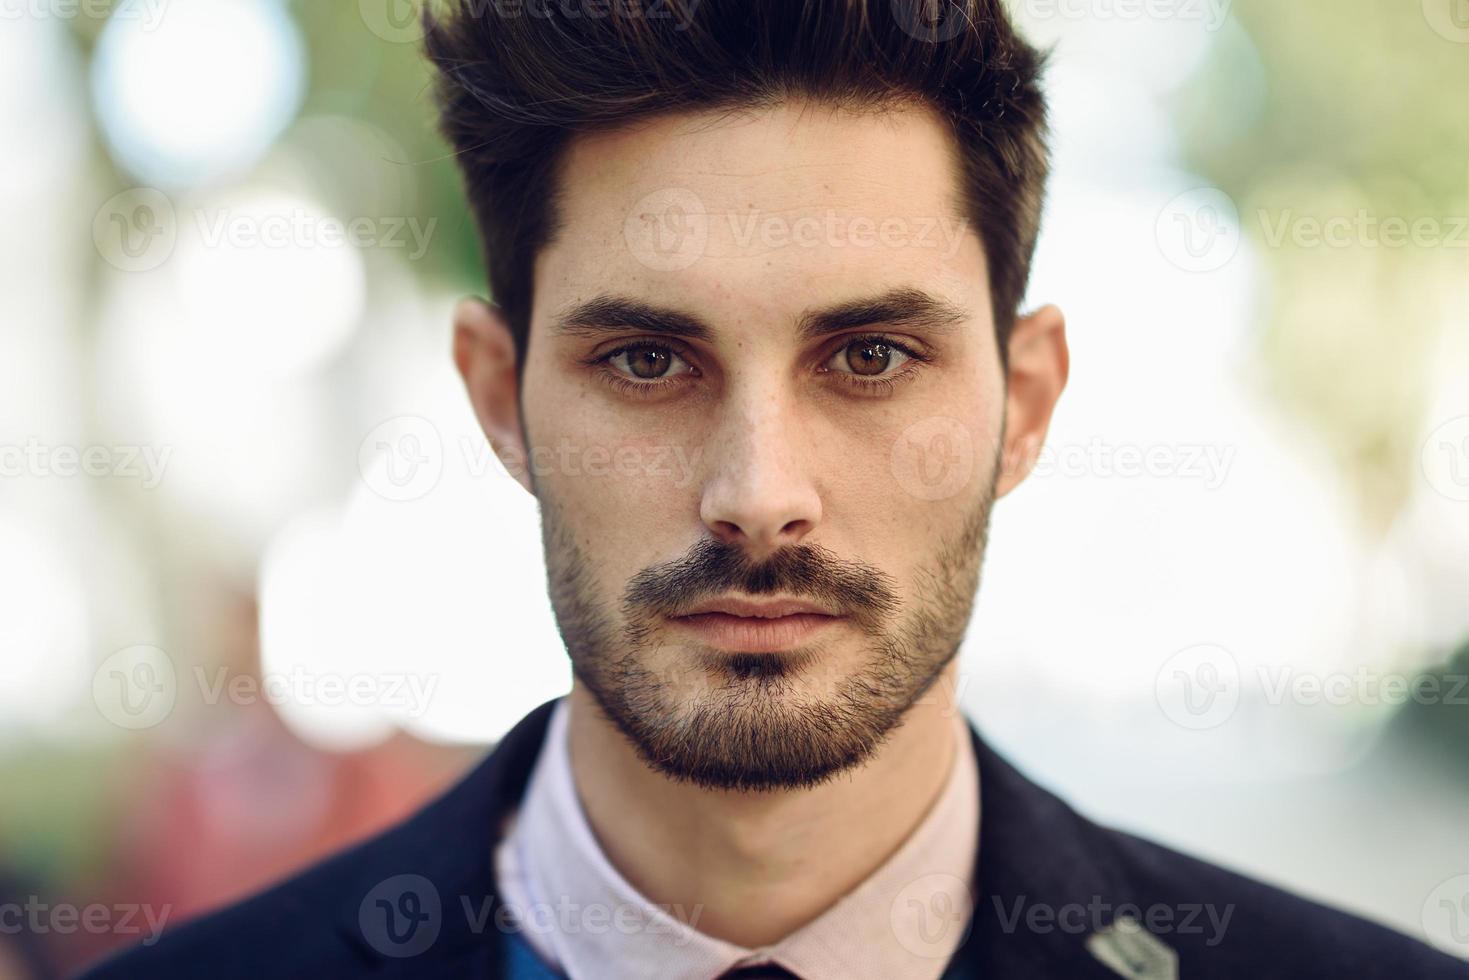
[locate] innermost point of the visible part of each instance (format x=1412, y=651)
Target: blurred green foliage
x=1360, y=106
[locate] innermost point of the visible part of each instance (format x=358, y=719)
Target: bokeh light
x=195, y=91
x=44, y=630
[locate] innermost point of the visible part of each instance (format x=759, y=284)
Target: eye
x=874, y=364
x=644, y=365
x=869, y=357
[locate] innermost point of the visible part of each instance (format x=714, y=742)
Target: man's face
x=762, y=366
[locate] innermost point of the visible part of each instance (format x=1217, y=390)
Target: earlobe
x=1039, y=364
x=485, y=354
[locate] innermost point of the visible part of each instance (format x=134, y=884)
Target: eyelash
x=874, y=386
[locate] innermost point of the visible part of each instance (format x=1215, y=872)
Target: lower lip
x=748, y=634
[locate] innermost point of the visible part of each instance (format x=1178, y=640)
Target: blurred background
x=264, y=588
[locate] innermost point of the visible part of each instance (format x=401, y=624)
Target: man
x=786, y=242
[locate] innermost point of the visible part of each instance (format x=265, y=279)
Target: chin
x=756, y=722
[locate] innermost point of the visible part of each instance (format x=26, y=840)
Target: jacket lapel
x=1037, y=857
x=437, y=871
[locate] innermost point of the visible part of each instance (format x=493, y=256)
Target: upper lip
x=759, y=609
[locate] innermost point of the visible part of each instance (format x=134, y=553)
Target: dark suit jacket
x=1057, y=897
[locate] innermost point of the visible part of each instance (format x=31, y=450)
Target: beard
x=763, y=721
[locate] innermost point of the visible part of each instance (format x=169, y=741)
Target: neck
x=754, y=867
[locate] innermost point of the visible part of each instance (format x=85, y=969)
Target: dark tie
x=765, y=971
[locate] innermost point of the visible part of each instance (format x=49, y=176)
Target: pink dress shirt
x=584, y=919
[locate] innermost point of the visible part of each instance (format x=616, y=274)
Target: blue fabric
x=522, y=963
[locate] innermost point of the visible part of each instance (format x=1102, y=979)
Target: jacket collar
x=440, y=863
x=1034, y=851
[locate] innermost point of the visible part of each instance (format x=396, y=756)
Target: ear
x=1038, y=366
x=484, y=353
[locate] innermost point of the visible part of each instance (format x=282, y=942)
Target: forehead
x=762, y=213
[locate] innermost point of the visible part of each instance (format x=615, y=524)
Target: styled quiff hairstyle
x=518, y=79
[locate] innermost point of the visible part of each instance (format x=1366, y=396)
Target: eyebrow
x=901, y=307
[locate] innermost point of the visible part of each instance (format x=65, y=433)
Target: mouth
x=743, y=626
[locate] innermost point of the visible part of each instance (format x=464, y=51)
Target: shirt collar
x=906, y=919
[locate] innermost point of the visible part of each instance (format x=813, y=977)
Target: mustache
x=712, y=568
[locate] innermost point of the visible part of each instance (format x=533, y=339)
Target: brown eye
x=868, y=357
x=647, y=362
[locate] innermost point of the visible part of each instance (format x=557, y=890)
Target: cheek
x=623, y=482
x=941, y=462
x=898, y=486
x=918, y=463
x=629, y=500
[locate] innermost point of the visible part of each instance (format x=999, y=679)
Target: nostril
x=727, y=532
x=796, y=528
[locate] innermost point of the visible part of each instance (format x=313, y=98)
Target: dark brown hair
x=517, y=79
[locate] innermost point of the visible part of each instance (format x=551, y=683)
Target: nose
x=758, y=495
